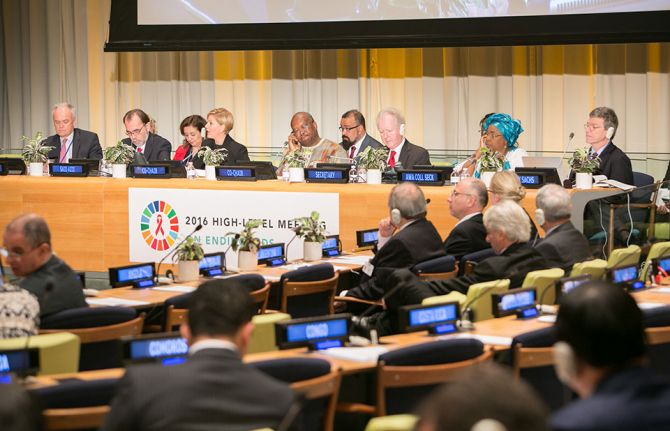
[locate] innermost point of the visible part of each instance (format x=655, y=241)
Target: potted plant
x=35, y=154
x=311, y=230
x=584, y=166
x=295, y=161
x=373, y=162
x=119, y=155
x=188, y=256
x=212, y=159
x=490, y=162
x=246, y=243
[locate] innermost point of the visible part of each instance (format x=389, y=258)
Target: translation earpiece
x=610, y=133
x=402, y=129
x=539, y=216
x=395, y=216
x=565, y=362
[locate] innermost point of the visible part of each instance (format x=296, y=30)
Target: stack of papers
x=486, y=339
x=115, y=302
x=175, y=288
x=350, y=260
x=357, y=354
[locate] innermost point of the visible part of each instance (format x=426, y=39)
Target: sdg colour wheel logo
x=159, y=225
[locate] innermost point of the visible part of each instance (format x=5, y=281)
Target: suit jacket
x=236, y=151
x=85, y=145
x=413, y=155
x=564, y=246
x=514, y=263
x=212, y=390
x=416, y=243
x=198, y=163
x=631, y=399
x=467, y=237
x=614, y=164
x=66, y=289
x=368, y=141
x=157, y=149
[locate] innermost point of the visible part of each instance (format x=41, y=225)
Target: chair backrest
x=544, y=281
x=260, y=297
x=468, y=261
x=657, y=322
x=624, y=256
x=595, y=268
x=440, y=268
x=308, y=291
x=313, y=378
x=405, y=376
x=657, y=250
x=174, y=317
x=263, y=335
x=58, y=353
x=392, y=423
x=478, y=299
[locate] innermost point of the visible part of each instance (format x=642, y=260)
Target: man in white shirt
x=391, y=125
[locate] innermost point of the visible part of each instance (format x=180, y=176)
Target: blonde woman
x=219, y=124
x=505, y=185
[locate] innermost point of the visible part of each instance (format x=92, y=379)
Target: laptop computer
x=548, y=162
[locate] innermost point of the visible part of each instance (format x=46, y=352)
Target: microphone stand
x=225, y=259
x=197, y=228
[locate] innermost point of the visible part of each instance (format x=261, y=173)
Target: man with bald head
x=305, y=137
x=70, y=142
x=466, y=203
x=27, y=248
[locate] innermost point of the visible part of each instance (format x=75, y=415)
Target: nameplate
x=151, y=171
x=327, y=175
x=237, y=173
x=68, y=170
x=422, y=177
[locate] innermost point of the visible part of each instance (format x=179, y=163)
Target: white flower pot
x=584, y=180
x=296, y=175
x=210, y=172
x=118, y=170
x=188, y=270
x=36, y=169
x=374, y=176
x=486, y=177
x=247, y=261
x=312, y=251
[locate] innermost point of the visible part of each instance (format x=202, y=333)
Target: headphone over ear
x=395, y=216
x=565, y=362
x=610, y=133
x=539, y=216
x=402, y=129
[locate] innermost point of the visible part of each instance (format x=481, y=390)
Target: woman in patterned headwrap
x=502, y=133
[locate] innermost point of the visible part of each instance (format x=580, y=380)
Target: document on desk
x=662, y=290
x=649, y=305
x=350, y=260
x=114, y=302
x=486, y=339
x=175, y=288
x=357, y=354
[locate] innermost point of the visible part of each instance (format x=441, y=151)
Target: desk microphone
x=197, y=228
x=466, y=323
x=225, y=265
x=289, y=243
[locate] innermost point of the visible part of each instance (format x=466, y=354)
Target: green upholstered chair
x=595, y=268
x=657, y=250
x=478, y=298
x=392, y=423
x=624, y=256
x=263, y=335
x=59, y=353
x=544, y=281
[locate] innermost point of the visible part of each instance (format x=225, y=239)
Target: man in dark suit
x=70, y=142
x=601, y=355
x=213, y=389
x=391, y=126
x=355, y=139
x=153, y=147
x=466, y=203
x=27, y=242
x=563, y=245
x=405, y=239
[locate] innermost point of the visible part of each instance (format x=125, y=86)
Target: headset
x=565, y=362
x=539, y=216
x=609, y=134
x=395, y=216
x=402, y=129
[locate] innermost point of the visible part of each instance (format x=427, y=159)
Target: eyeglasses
x=492, y=135
x=342, y=129
x=588, y=126
x=455, y=193
x=134, y=132
x=13, y=254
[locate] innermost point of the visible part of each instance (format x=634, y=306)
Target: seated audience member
x=601, y=355
x=70, y=142
x=219, y=124
x=213, y=389
x=495, y=401
x=27, y=242
x=305, y=137
x=563, y=245
x=506, y=185
x=154, y=148
x=391, y=126
x=355, y=138
x=468, y=165
x=507, y=230
x=406, y=238
x=19, y=312
x=502, y=133
x=191, y=129
x=466, y=203
x=18, y=410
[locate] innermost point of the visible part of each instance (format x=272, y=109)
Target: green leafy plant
x=119, y=154
x=247, y=239
x=490, y=160
x=582, y=162
x=295, y=159
x=310, y=228
x=373, y=158
x=34, y=151
x=213, y=157
x=189, y=250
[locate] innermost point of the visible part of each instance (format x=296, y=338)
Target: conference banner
x=158, y=219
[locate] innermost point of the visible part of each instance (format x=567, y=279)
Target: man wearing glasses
x=27, y=249
x=153, y=147
x=466, y=203
x=354, y=135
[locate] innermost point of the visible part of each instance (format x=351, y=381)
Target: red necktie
x=139, y=150
x=352, y=151
x=63, y=150
x=392, y=159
